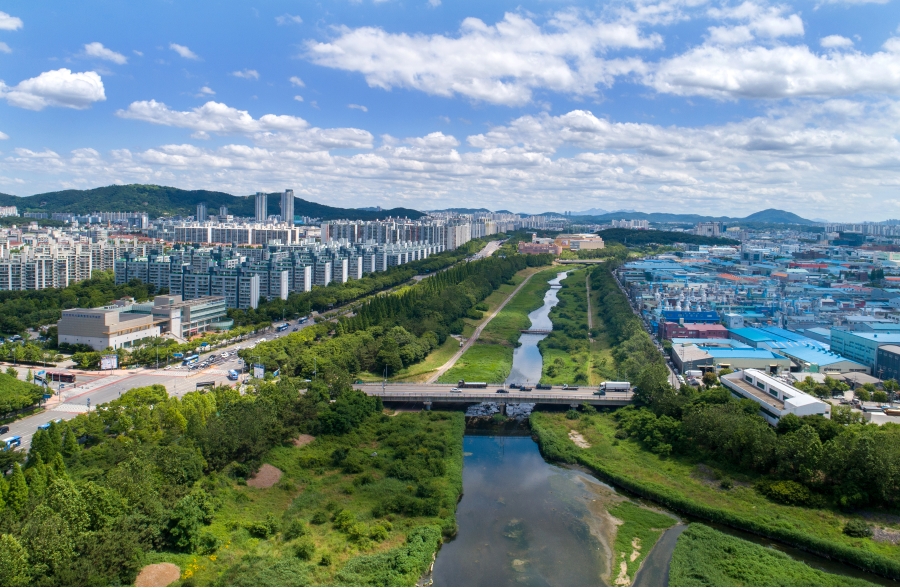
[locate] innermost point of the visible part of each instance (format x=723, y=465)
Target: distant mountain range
x=769, y=216
x=166, y=201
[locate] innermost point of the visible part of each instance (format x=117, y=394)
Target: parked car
x=4, y=429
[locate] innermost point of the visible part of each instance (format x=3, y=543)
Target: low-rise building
x=668, y=330
x=775, y=398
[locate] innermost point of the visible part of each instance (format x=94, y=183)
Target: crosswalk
x=69, y=407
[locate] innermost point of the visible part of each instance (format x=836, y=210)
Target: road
x=416, y=393
x=476, y=334
x=101, y=387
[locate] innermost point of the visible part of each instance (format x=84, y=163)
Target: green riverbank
x=685, y=485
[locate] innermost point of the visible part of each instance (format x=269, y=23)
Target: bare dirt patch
x=266, y=477
x=886, y=536
x=579, y=440
x=303, y=440
x=161, y=574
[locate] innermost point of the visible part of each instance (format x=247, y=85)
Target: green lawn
x=481, y=363
x=330, y=522
x=505, y=328
x=684, y=480
x=706, y=557
x=419, y=372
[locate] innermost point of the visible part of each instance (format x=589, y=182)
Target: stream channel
x=525, y=522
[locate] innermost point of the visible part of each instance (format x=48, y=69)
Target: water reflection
x=522, y=521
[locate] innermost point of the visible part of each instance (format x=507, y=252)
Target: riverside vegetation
x=708, y=455
x=148, y=478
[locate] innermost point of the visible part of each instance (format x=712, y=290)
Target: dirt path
x=475, y=335
x=161, y=574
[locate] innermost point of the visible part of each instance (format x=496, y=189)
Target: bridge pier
x=427, y=404
x=573, y=406
x=502, y=406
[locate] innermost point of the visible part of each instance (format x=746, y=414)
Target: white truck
x=614, y=387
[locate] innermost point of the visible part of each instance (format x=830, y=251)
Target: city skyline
x=692, y=107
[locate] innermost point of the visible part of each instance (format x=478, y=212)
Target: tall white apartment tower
x=261, y=205
x=201, y=212
x=287, y=207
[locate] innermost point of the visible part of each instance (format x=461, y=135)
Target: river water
x=524, y=522
x=527, y=362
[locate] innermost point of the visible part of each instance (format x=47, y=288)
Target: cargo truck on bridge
x=613, y=387
x=464, y=384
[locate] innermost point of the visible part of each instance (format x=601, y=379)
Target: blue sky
x=671, y=105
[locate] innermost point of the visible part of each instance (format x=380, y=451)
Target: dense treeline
x=391, y=332
x=635, y=237
x=336, y=294
x=570, y=330
x=24, y=309
x=146, y=472
x=637, y=358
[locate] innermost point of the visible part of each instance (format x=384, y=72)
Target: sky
x=686, y=106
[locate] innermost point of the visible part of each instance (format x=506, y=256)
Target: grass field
x=706, y=557
x=570, y=357
x=342, y=511
x=504, y=328
x=481, y=363
x=635, y=537
x=690, y=480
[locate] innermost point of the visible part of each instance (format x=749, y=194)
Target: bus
x=190, y=360
x=61, y=377
x=302, y=320
x=282, y=327
x=233, y=375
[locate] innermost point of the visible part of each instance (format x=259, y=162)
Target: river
x=527, y=362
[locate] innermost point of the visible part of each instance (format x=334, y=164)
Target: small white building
x=775, y=398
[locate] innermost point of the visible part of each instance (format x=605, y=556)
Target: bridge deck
x=442, y=394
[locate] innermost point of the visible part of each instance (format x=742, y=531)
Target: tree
x=710, y=379
x=11, y=371
x=880, y=396
x=13, y=562
x=798, y=454
x=863, y=394
x=29, y=377
x=17, y=495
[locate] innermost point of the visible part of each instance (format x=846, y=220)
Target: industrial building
x=775, y=398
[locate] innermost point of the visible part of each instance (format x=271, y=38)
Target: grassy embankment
x=683, y=484
x=635, y=537
x=706, y=557
x=572, y=353
x=490, y=359
x=366, y=508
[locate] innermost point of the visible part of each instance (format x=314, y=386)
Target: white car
x=168, y=367
x=455, y=390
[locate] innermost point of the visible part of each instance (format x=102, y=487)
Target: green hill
x=166, y=201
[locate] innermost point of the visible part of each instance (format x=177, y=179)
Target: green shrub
x=296, y=528
x=857, y=528
x=304, y=549
x=263, y=529
x=572, y=414
x=786, y=492
x=326, y=560
x=319, y=518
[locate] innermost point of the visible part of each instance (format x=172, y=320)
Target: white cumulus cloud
x=97, y=50
x=247, y=74
x=183, y=51
x=3, y=136
x=60, y=87
x=298, y=98
x=501, y=63
x=4, y=48
x=285, y=19
x=9, y=23
x=295, y=81
x=358, y=107
x=777, y=72
x=835, y=42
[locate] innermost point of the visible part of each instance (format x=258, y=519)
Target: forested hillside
x=167, y=201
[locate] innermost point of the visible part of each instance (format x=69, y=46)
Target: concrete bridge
x=430, y=394
x=535, y=331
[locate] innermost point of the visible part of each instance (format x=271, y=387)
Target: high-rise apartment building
x=261, y=207
x=223, y=211
x=201, y=212
x=287, y=207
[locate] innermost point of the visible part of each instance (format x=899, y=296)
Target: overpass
x=430, y=394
